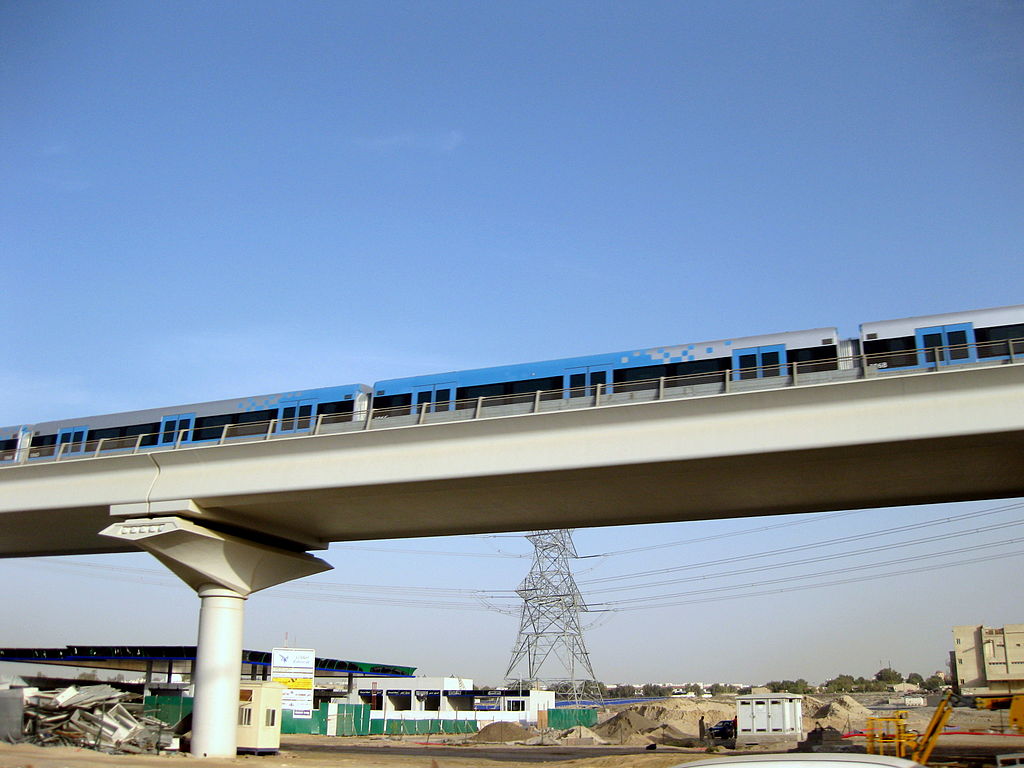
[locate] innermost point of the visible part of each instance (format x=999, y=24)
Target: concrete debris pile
x=92, y=716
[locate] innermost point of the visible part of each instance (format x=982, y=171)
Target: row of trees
x=661, y=691
x=883, y=678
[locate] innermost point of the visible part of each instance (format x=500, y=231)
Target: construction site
x=650, y=734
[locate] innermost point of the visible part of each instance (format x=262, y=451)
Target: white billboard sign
x=294, y=669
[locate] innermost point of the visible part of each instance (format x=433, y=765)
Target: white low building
x=447, y=698
x=767, y=718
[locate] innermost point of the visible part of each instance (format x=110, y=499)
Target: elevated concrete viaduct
x=231, y=519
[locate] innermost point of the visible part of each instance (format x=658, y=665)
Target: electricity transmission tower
x=549, y=624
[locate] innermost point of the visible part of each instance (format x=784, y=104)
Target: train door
x=946, y=344
x=437, y=397
x=71, y=440
x=758, y=362
x=295, y=415
x=583, y=381
x=173, y=427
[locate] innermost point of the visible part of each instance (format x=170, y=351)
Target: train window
x=176, y=428
x=442, y=396
x=481, y=390
x=598, y=377
x=640, y=373
x=946, y=344
x=958, y=345
x=748, y=366
x=758, y=362
x=995, y=341
x=211, y=427
x=252, y=417
x=392, y=401
x=71, y=439
x=295, y=415
x=533, y=385
x=336, y=407
x=884, y=353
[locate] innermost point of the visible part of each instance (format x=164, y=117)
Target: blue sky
x=208, y=200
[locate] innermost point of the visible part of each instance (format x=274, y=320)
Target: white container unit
x=764, y=718
x=259, y=716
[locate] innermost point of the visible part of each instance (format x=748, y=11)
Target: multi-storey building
x=988, y=659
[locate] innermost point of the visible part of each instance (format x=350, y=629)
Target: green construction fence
x=569, y=717
x=167, y=709
x=351, y=720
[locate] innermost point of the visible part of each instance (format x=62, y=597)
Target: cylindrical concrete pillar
x=217, y=672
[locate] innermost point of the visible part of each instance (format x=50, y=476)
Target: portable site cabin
x=766, y=718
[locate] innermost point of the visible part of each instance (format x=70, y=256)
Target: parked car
x=723, y=729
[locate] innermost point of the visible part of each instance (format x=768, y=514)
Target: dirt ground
x=332, y=752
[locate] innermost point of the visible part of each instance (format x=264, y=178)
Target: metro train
x=985, y=335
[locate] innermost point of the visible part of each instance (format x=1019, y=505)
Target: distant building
x=447, y=698
x=903, y=687
x=988, y=659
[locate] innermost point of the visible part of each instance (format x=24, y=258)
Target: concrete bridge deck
x=894, y=439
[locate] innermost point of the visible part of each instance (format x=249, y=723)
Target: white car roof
x=804, y=760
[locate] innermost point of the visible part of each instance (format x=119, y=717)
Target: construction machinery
x=890, y=734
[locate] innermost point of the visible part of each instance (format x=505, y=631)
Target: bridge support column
x=217, y=672
x=224, y=569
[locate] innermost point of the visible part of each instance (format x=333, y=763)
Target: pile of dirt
x=501, y=732
x=685, y=714
x=672, y=736
x=628, y=728
x=581, y=732
x=843, y=714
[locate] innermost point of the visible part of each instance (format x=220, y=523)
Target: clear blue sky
x=207, y=200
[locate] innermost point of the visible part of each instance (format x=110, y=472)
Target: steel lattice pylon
x=549, y=624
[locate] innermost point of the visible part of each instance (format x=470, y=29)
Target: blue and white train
x=985, y=335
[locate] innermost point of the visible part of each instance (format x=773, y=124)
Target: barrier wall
x=565, y=717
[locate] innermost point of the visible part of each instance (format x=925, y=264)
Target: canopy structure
x=179, y=659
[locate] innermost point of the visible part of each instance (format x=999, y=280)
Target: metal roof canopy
x=178, y=659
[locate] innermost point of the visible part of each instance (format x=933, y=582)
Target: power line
x=808, y=560
x=803, y=547
x=798, y=577
x=986, y=559
x=819, y=517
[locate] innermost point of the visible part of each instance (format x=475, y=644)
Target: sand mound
x=672, y=736
x=851, y=705
x=811, y=704
x=626, y=727
x=581, y=732
x=499, y=732
x=686, y=715
x=843, y=714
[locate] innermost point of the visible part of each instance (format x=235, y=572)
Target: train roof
x=676, y=353
x=230, y=405
x=905, y=326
